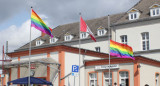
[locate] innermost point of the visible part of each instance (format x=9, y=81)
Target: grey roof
x=73, y=28
x=25, y=62
x=143, y=6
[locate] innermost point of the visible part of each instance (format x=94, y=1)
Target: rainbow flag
x=38, y=23
x=121, y=50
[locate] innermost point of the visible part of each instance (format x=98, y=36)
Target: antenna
x=6, y=46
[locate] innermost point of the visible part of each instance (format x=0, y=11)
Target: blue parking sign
x=75, y=68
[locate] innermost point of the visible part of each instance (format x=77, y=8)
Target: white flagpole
x=29, y=54
x=79, y=49
x=109, y=45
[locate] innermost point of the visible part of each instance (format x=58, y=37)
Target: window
x=155, y=12
x=124, y=39
x=39, y=42
x=84, y=35
x=53, y=40
x=133, y=16
x=92, y=79
x=106, y=79
x=145, y=41
x=98, y=49
x=124, y=80
x=157, y=80
x=101, y=32
x=68, y=37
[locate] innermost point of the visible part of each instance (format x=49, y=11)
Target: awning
x=33, y=80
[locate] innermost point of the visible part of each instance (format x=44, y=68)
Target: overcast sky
x=15, y=15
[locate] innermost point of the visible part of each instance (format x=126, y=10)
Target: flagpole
x=29, y=54
x=79, y=49
x=109, y=45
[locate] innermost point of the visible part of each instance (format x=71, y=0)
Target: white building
x=139, y=27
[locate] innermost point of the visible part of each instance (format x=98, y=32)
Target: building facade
x=53, y=58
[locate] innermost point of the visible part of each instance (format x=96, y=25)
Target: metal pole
x=109, y=45
x=74, y=81
x=79, y=49
x=3, y=65
x=29, y=54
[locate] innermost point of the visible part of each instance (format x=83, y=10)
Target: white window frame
x=157, y=79
x=107, y=78
x=94, y=79
x=126, y=76
x=155, y=12
x=39, y=42
x=53, y=40
x=134, y=15
x=101, y=32
x=98, y=49
x=124, y=39
x=68, y=37
x=145, y=41
x=84, y=35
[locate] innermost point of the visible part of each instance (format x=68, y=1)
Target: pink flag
x=84, y=28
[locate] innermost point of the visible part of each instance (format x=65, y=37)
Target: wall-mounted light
x=138, y=66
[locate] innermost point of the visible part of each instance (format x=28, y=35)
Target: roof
x=143, y=6
x=73, y=29
x=138, y=59
x=25, y=62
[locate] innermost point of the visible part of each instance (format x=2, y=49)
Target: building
x=138, y=27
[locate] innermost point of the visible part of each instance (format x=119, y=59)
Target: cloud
x=17, y=36
x=64, y=11
x=54, y=13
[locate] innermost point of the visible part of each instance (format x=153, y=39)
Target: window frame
x=98, y=49
x=157, y=79
x=83, y=35
x=118, y=73
x=134, y=15
x=101, y=32
x=68, y=37
x=155, y=12
x=95, y=79
x=51, y=40
x=39, y=42
x=126, y=74
x=103, y=78
x=124, y=39
x=145, y=41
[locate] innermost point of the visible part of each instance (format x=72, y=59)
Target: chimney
x=42, y=34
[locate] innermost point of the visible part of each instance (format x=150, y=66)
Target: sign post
x=75, y=71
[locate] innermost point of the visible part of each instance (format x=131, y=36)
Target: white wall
x=155, y=55
x=134, y=30
x=73, y=59
x=32, y=57
x=91, y=46
x=147, y=74
x=128, y=66
x=54, y=55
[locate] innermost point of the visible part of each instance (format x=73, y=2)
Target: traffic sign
x=75, y=70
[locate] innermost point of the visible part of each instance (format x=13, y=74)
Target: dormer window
x=39, y=42
x=68, y=37
x=83, y=35
x=101, y=31
x=53, y=40
x=133, y=14
x=155, y=10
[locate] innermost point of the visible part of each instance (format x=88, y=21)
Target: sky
x=15, y=16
